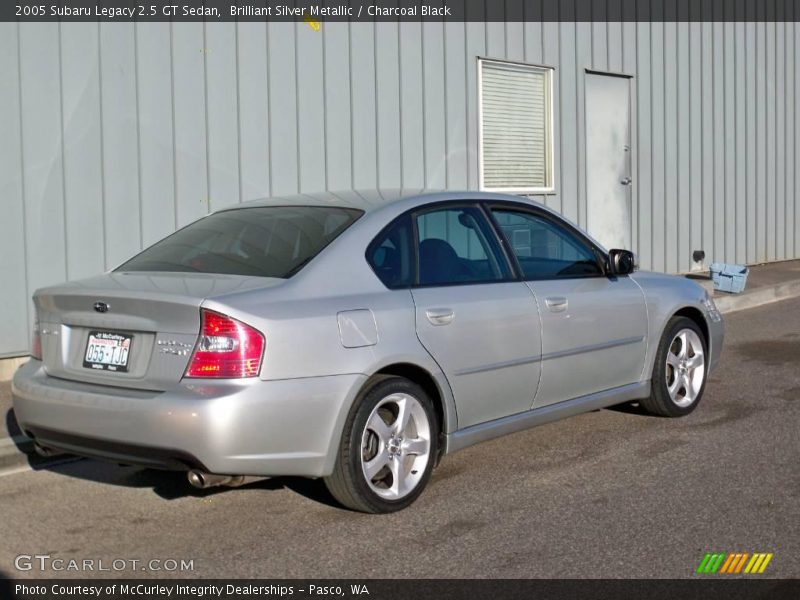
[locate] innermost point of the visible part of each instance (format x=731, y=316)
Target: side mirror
x=621, y=262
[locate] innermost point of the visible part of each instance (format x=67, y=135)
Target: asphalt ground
x=608, y=494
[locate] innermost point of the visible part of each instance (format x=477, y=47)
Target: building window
x=516, y=150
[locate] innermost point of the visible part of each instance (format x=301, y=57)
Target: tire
x=388, y=449
x=680, y=370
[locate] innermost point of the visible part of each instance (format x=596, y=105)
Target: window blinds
x=515, y=120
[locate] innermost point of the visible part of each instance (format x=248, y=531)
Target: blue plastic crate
x=729, y=278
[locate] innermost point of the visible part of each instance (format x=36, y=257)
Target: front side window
x=545, y=249
x=515, y=127
x=457, y=245
x=267, y=241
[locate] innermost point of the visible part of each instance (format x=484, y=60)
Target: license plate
x=107, y=351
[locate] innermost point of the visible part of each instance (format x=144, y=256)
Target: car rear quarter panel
x=303, y=336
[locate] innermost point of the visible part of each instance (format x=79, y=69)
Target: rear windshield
x=273, y=241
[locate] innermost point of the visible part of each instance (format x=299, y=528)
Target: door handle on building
x=440, y=316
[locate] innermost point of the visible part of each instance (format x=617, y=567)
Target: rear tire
x=388, y=448
x=680, y=370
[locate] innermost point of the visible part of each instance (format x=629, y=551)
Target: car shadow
x=12, y=427
x=630, y=408
x=173, y=485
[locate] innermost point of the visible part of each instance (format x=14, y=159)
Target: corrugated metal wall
x=113, y=135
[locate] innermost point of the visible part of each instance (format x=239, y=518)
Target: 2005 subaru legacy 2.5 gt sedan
x=356, y=337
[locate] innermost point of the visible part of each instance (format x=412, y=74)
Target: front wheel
x=388, y=448
x=680, y=370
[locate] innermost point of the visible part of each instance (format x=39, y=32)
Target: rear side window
x=458, y=246
x=391, y=254
x=269, y=241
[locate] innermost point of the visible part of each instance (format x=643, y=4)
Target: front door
x=480, y=326
x=594, y=327
x=593, y=336
x=608, y=159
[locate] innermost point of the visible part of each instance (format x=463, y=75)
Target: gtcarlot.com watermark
x=46, y=562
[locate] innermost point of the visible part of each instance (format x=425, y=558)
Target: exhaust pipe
x=202, y=480
x=46, y=452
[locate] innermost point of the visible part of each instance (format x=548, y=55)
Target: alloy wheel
x=395, y=446
x=686, y=367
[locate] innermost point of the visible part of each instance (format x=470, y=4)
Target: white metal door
x=608, y=164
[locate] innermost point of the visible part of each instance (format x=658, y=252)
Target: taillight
x=227, y=348
x=36, y=341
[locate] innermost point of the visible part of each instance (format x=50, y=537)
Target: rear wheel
x=680, y=370
x=388, y=448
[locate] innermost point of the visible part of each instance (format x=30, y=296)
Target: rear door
x=479, y=324
x=594, y=327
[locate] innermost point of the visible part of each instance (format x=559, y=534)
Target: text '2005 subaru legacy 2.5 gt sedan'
x=356, y=337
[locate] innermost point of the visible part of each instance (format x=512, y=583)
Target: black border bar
x=710, y=587
x=401, y=10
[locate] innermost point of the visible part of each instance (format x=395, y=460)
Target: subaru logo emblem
x=101, y=307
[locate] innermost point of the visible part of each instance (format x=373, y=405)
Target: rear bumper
x=247, y=427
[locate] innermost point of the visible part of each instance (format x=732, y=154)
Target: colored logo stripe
x=710, y=563
x=758, y=563
x=734, y=562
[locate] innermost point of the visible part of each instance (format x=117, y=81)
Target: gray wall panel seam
x=206, y=120
x=377, y=104
x=424, y=111
x=269, y=107
x=299, y=164
x=137, y=101
x=689, y=141
x=326, y=175
x=174, y=137
x=63, y=162
x=467, y=61
x=775, y=166
x=399, y=103
x=23, y=187
x=103, y=218
x=652, y=164
x=238, y=91
x=677, y=149
x=350, y=103
x=446, y=107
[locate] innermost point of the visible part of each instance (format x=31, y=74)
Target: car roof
x=372, y=199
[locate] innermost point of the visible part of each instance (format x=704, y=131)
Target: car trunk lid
x=157, y=313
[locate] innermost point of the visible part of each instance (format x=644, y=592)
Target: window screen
x=515, y=123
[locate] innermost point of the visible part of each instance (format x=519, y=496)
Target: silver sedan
x=356, y=337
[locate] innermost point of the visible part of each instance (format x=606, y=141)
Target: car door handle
x=440, y=316
x=556, y=303
x=626, y=181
